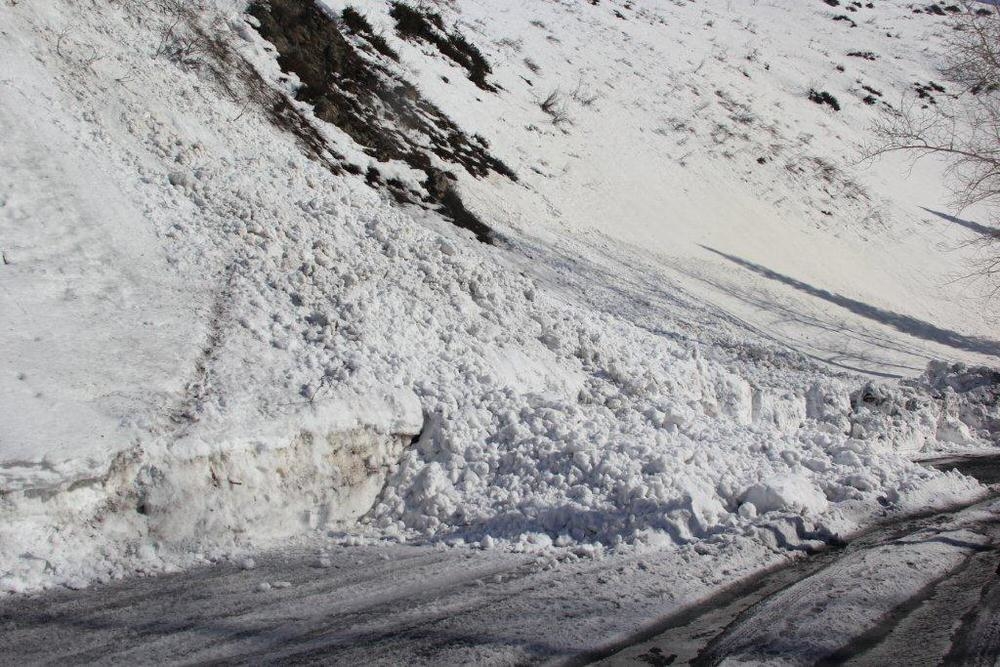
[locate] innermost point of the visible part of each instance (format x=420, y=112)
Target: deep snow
x=212, y=343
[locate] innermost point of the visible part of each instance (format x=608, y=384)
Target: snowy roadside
x=344, y=601
x=910, y=590
x=839, y=612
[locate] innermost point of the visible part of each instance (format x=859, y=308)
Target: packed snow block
x=950, y=405
x=784, y=409
x=970, y=398
x=320, y=467
x=791, y=493
x=734, y=398
x=231, y=485
x=903, y=418
x=829, y=403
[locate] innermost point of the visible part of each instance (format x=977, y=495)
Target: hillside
x=577, y=278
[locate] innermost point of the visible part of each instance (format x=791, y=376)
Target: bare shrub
x=195, y=37
x=583, y=95
x=555, y=107
x=963, y=127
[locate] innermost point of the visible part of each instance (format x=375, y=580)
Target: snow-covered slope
x=690, y=134
x=221, y=330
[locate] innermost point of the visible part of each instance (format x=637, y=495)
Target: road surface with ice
x=882, y=599
x=920, y=590
x=361, y=605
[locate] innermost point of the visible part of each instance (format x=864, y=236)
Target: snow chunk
x=793, y=493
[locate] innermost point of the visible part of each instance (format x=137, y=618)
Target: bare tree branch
x=962, y=128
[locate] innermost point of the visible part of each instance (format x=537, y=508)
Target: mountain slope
x=234, y=323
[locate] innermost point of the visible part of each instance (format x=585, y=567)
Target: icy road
x=883, y=599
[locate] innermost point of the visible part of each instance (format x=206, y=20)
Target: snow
x=814, y=618
x=84, y=279
x=787, y=492
x=689, y=98
x=213, y=344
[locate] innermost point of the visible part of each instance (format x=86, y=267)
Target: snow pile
x=950, y=407
x=787, y=492
x=635, y=459
x=311, y=328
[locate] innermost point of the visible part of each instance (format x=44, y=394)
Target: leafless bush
x=515, y=45
x=583, y=95
x=963, y=128
x=195, y=36
x=83, y=55
x=186, y=40
x=555, y=107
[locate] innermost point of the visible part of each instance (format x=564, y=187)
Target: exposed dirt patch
x=357, y=24
x=352, y=86
x=421, y=24
x=823, y=97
